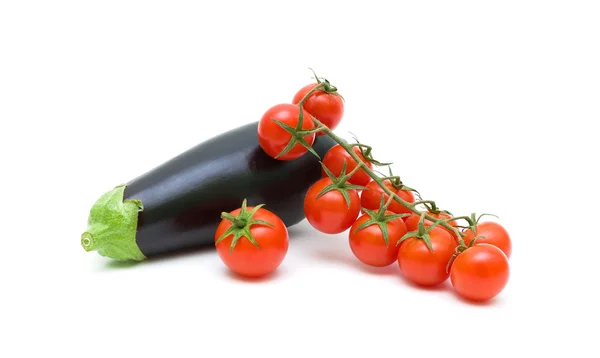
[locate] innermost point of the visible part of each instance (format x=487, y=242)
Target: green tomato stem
x=424, y=202
x=310, y=131
x=309, y=93
x=381, y=213
x=366, y=149
x=466, y=218
x=392, y=178
x=378, y=180
x=356, y=168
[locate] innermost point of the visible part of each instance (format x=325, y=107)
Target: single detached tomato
x=370, y=198
x=328, y=108
x=412, y=222
x=330, y=213
x=422, y=266
x=334, y=161
x=369, y=245
x=253, y=255
x=480, y=272
x=493, y=233
x=274, y=139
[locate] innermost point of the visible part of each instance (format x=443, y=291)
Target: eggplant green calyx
x=381, y=219
x=112, y=226
x=240, y=225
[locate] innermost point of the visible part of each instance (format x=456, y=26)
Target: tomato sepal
x=297, y=136
x=397, y=182
x=380, y=218
x=241, y=225
x=422, y=232
x=431, y=206
x=380, y=221
x=340, y=183
x=366, y=151
x=327, y=86
x=473, y=220
x=460, y=249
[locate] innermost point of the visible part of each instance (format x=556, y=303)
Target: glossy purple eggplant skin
x=183, y=198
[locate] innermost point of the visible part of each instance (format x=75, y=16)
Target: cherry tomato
x=494, y=234
x=334, y=161
x=273, y=139
x=247, y=259
x=412, y=222
x=422, y=266
x=368, y=244
x=330, y=213
x=370, y=198
x=480, y=272
x=328, y=108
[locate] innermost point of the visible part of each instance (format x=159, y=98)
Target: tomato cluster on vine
x=387, y=222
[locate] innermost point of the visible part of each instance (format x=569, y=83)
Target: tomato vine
x=326, y=86
x=425, y=254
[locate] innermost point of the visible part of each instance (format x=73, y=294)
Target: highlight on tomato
x=480, y=272
x=251, y=241
x=278, y=132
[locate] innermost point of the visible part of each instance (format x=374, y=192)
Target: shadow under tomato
x=442, y=287
x=266, y=278
x=495, y=301
x=300, y=230
x=385, y=270
x=351, y=261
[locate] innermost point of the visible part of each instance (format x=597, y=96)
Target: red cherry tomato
x=480, y=272
x=246, y=259
x=334, y=161
x=370, y=198
x=273, y=139
x=330, y=213
x=422, y=266
x=368, y=244
x=493, y=233
x=328, y=108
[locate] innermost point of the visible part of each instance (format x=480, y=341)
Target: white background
x=483, y=106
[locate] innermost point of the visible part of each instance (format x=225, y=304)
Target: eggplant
x=177, y=206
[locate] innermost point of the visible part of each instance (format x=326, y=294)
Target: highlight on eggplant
x=177, y=206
